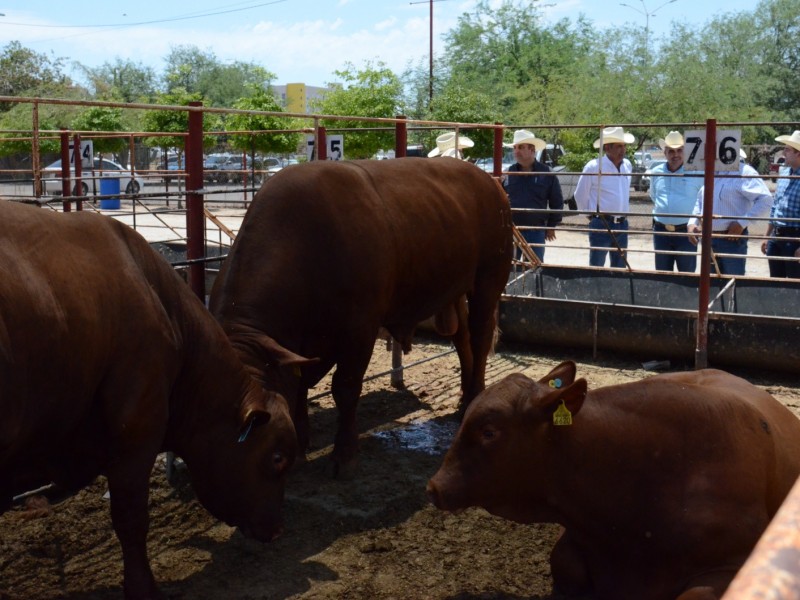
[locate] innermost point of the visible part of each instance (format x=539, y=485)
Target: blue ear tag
x=555, y=383
x=246, y=432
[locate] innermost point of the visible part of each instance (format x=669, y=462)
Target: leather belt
x=671, y=227
x=612, y=218
x=787, y=231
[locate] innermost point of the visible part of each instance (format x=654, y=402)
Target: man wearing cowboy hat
x=531, y=192
x=674, y=196
x=604, y=188
x=784, y=228
x=736, y=201
x=446, y=145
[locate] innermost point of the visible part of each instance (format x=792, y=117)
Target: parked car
x=51, y=178
x=648, y=174
x=212, y=164
x=487, y=164
x=234, y=169
x=639, y=182
x=642, y=159
x=177, y=166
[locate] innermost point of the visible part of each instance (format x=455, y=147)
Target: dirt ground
x=371, y=536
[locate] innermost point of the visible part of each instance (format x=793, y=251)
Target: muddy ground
x=373, y=536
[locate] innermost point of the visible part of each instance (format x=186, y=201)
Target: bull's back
x=79, y=302
x=734, y=421
x=398, y=233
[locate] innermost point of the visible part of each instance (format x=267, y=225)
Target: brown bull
x=329, y=252
x=106, y=359
x=663, y=486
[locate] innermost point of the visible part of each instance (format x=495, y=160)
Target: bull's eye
x=488, y=434
x=278, y=460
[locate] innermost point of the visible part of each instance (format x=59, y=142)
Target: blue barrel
x=109, y=186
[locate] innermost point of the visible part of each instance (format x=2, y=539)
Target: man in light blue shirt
x=674, y=196
x=604, y=188
x=736, y=201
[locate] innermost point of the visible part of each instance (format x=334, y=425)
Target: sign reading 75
x=726, y=156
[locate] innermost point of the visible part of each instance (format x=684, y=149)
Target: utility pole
x=430, y=53
x=647, y=14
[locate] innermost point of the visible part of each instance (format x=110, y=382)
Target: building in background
x=296, y=97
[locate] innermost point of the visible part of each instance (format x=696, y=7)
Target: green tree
x=23, y=72
x=123, y=80
x=175, y=123
x=217, y=83
x=261, y=99
x=374, y=91
x=458, y=104
x=100, y=118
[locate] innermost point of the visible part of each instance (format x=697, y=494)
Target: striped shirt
x=787, y=200
x=604, y=194
x=736, y=199
x=673, y=195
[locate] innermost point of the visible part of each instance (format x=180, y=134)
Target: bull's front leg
x=129, y=492
x=346, y=392
x=568, y=568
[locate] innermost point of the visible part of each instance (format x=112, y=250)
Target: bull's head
x=244, y=468
x=508, y=443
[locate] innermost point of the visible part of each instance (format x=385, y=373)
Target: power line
x=168, y=20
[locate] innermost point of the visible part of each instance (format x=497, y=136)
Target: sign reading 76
x=726, y=156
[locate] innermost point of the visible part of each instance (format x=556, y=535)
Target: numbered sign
x=727, y=156
x=335, y=147
x=86, y=153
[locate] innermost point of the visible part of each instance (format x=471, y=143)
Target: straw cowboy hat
x=523, y=136
x=673, y=140
x=790, y=140
x=447, y=141
x=615, y=135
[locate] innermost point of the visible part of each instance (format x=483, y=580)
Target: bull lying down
x=106, y=359
x=329, y=253
x=662, y=486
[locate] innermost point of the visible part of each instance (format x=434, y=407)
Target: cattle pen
x=694, y=319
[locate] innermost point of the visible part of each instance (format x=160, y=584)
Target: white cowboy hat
x=523, y=136
x=615, y=135
x=790, y=140
x=673, y=140
x=447, y=141
x=742, y=154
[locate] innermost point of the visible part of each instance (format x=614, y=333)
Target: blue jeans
x=730, y=265
x=535, y=236
x=600, y=238
x=777, y=246
x=674, y=242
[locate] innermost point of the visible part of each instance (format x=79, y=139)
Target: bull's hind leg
x=482, y=323
x=461, y=341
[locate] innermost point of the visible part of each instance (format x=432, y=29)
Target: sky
x=300, y=41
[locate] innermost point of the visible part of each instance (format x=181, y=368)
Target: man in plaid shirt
x=784, y=229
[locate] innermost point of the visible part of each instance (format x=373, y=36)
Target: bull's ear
x=562, y=376
x=566, y=402
x=283, y=356
x=252, y=412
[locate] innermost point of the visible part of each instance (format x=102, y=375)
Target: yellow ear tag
x=562, y=416
x=297, y=372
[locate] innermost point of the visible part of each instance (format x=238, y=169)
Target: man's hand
x=550, y=234
x=733, y=230
x=694, y=231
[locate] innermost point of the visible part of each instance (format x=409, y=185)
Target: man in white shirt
x=604, y=188
x=736, y=200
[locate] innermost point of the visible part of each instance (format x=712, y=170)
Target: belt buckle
x=670, y=227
